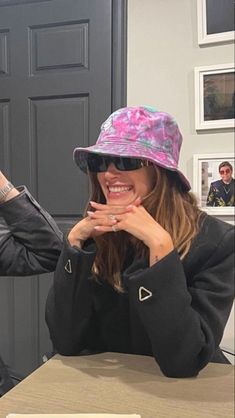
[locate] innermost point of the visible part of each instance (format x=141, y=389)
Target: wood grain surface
x=121, y=384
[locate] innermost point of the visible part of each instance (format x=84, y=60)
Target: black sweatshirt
x=180, y=324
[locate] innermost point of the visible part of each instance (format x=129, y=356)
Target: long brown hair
x=175, y=209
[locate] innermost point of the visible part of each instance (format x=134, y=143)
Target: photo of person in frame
x=221, y=192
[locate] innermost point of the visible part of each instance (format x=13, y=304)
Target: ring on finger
x=112, y=217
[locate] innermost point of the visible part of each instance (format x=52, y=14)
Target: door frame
x=119, y=54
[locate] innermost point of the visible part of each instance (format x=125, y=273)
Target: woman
x=30, y=242
x=145, y=271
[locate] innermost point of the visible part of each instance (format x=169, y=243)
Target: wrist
x=6, y=192
x=159, y=249
x=75, y=241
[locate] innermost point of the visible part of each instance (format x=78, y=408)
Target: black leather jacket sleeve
x=30, y=241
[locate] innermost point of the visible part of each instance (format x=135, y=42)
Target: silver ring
x=114, y=229
x=112, y=217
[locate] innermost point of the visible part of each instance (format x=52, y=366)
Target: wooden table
x=121, y=383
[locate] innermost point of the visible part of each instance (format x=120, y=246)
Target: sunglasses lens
x=226, y=171
x=127, y=164
x=98, y=163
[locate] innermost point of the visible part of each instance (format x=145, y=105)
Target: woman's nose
x=111, y=170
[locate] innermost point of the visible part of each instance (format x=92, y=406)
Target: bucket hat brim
x=156, y=156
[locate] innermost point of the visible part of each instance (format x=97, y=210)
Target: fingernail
x=89, y=213
x=92, y=203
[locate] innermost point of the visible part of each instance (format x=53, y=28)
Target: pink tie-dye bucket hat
x=138, y=132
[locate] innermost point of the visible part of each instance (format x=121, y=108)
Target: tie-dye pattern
x=139, y=132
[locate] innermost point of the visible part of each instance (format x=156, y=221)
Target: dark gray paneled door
x=55, y=90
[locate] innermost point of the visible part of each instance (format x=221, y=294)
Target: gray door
x=62, y=71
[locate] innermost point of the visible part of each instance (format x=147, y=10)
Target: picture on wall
x=215, y=21
x=214, y=96
x=214, y=183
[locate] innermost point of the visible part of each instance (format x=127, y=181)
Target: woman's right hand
x=84, y=229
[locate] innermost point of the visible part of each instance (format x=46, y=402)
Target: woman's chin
x=120, y=199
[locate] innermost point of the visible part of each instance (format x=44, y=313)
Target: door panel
x=55, y=121
x=56, y=50
x=56, y=80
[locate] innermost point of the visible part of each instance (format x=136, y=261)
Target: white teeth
x=119, y=189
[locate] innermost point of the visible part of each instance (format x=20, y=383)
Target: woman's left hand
x=138, y=222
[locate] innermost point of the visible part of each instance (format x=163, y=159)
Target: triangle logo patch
x=144, y=293
x=68, y=267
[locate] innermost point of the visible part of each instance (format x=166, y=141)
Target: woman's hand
x=86, y=229
x=135, y=220
x=96, y=223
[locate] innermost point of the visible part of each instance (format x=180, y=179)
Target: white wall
x=162, y=54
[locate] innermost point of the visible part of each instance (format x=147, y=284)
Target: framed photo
x=215, y=21
x=213, y=182
x=214, y=96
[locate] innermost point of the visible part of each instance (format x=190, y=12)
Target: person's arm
x=185, y=322
x=69, y=302
x=30, y=241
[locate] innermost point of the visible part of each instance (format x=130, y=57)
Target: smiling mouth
x=119, y=189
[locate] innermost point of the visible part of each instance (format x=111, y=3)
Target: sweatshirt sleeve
x=184, y=317
x=30, y=240
x=69, y=302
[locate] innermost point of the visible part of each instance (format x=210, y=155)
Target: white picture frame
x=205, y=171
x=205, y=38
x=214, y=96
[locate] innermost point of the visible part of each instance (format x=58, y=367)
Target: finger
x=96, y=214
x=102, y=228
x=109, y=218
x=107, y=222
x=97, y=205
x=105, y=210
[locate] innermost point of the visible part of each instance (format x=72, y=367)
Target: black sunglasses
x=97, y=163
